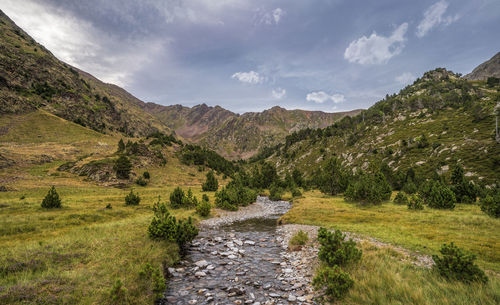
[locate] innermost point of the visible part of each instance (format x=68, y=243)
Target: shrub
x=132, y=198
x=296, y=192
x=108, y=206
x=409, y=188
x=121, y=145
x=234, y=195
x=211, y=184
x=401, y=198
x=205, y=197
x=146, y=175
x=189, y=200
x=118, y=293
x=332, y=178
x=177, y=198
x=298, y=240
x=122, y=167
x=51, y=200
x=457, y=265
x=156, y=278
x=490, y=204
x=275, y=192
x=203, y=208
x=415, y=203
x=335, y=250
x=369, y=189
x=335, y=282
x=441, y=197
x=167, y=227
x=141, y=181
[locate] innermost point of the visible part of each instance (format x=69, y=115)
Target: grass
x=76, y=254
x=381, y=277
x=423, y=231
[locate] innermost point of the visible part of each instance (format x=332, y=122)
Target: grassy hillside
x=439, y=120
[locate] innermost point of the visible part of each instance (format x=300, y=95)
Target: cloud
x=278, y=93
x=269, y=17
x=376, y=49
x=405, y=78
x=319, y=97
x=251, y=77
x=433, y=17
x=80, y=44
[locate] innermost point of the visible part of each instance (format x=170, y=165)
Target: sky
x=251, y=55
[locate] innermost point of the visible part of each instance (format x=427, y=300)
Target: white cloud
x=405, y=78
x=320, y=97
x=277, y=14
x=251, y=77
x=433, y=17
x=278, y=93
x=376, y=49
x=78, y=43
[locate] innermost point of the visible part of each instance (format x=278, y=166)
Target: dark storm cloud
x=250, y=55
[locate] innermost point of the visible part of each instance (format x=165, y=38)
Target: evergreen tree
x=52, y=199
x=121, y=145
x=122, y=167
x=333, y=178
x=211, y=184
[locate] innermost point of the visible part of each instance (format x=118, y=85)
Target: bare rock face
x=490, y=68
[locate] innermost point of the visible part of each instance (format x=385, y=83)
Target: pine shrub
x=335, y=250
x=369, y=189
x=454, y=264
x=415, y=203
x=177, y=198
x=118, y=294
x=203, y=208
x=298, y=240
x=335, y=282
x=211, y=184
x=51, y=200
x=234, y=195
x=146, y=175
x=490, y=204
x=141, y=181
x=441, y=197
x=122, y=167
x=401, y=198
x=275, y=192
x=132, y=198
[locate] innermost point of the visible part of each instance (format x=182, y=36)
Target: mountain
x=439, y=120
x=239, y=136
x=31, y=78
x=490, y=68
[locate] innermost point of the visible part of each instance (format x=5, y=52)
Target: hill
x=239, y=136
x=490, y=68
x=439, y=120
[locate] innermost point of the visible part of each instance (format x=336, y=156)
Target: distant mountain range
x=32, y=78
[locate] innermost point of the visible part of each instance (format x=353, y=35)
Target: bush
x=234, y=195
x=409, y=188
x=335, y=250
x=275, y=192
x=332, y=178
x=415, y=203
x=211, y=184
x=122, y=167
x=205, y=197
x=465, y=191
x=146, y=175
x=203, y=208
x=298, y=240
x=335, y=282
x=189, y=200
x=401, y=198
x=165, y=226
x=177, y=198
x=108, y=206
x=441, y=197
x=51, y=200
x=490, y=204
x=118, y=293
x=369, y=189
x=132, y=198
x=296, y=192
x=456, y=265
x=141, y=181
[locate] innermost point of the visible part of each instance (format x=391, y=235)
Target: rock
x=292, y=298
x=200, y=274
x=249, y=242
x=201, y=264
x=192, y=302
x=232, y=256
x=238, y=242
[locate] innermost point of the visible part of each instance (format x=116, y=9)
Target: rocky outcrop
x=490, y=68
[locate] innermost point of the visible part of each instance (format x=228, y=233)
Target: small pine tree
x=456, y=265
x=177, y=198
x=401, y=198
x=52, y=199
x=490, y=204
x=146, y=175
x=132, y=198
x=335, y=282
x=121, y=145
x=122, y=167
x=415, y=203
x=211, y=184
x=335, y=250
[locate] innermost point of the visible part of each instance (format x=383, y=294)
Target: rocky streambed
x=241, y=258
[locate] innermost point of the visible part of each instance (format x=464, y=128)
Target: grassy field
x=76, y=254
x=384, y=276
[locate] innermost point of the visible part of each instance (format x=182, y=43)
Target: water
x=239, y=263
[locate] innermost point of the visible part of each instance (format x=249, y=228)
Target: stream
x=241, y=261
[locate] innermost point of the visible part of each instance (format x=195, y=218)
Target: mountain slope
x=32, y=78
x=490, y=68
x=239, y=136
x=439, y=120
